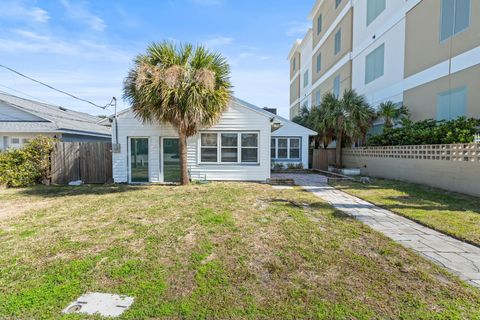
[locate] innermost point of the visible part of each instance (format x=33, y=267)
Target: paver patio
x=458, y=257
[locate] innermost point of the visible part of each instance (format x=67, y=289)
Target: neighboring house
x=238, y=147
x=422, y=53
x=22, y=119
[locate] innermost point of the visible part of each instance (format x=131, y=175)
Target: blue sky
x=87, y=47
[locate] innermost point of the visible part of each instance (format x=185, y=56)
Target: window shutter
x=462, y=15
x=336, y=86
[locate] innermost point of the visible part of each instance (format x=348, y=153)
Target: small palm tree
x=351, y=117
x=389, y=112
x=186, y=86
x=319, y=123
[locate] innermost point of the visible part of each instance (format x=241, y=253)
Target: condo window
x=233, y=147
x=319, y=62
x=319, y=24
x=336, y=86
x=287, y=148
x=338, y=41
x=455, y=17
x=305, y=79
x=452, y=104
x=337, y=3
x=374, y=9
x=374, y=64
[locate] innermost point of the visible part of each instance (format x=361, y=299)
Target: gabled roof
x=57, y=119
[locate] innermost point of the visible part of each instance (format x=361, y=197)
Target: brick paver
x=458, y=257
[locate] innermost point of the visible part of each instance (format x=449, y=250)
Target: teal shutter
x=319, y=62
x=447, y=19
x=305, y=79
x=374, y=64
x=318, y=98
x=336, y=86
x=455, y=17
x=462, y=15
x=374, y=9
x=319, y=24
x=337, y=3
x=452, y=104
x=338, y=41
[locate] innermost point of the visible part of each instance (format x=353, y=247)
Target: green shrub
x=27, y=165
x=460, y=130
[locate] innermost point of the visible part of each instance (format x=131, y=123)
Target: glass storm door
x=171, y=160
x=139, y=159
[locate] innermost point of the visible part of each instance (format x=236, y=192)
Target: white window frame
x=15, y=143
x=219, y=148
x=288, y=158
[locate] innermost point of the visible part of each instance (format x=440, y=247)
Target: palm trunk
x=338, y=150
x=182, y=144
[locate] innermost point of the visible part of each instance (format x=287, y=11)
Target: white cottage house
x=241, y=146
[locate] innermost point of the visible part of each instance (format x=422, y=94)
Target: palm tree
x=319, y=123
x=389, y=112
x=186, y=86
x=351, y=117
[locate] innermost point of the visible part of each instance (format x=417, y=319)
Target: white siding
x=6, y=137
x=290, y=129
x=237, y=118
x=9, y=113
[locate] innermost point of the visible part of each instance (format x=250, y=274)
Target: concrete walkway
x=458, y=257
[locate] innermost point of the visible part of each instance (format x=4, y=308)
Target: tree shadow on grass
x=69, y=191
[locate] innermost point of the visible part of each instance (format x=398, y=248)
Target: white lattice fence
x=441, y=152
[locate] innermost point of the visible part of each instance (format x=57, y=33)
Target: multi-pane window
x=455, y=17
x=228, y=147
x=338, y=41
x=337, y=3
x=319, y=62
x=249, y=147
x=286, y=148
x=209, y=147
x=336, y=86
x=452, y=104
x=374, y=9
x=374, y=64
x=319, y=24
x=305, y=79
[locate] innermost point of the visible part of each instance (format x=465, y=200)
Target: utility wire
x=53, y=88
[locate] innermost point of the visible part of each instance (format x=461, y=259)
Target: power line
x=53, y=88
x=25, y=94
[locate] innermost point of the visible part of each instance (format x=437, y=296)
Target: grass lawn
x=452, y=213
x=223, y=250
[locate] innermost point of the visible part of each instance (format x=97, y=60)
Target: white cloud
x=296, y=28
x=78, y=12
x=31, y=35
x=218, y=41
x=16, y=10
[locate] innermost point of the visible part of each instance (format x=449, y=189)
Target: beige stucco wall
x=295, y=89
x=345, y=81
x=463, y=177
x=329, y=58
x=294, y=111
x=423, y=48
x=329, y=14
x=422, y=100
x=295, y=58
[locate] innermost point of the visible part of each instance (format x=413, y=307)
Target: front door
x=171, y=160
x=139, y=160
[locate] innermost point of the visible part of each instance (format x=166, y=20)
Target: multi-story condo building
x=422, y=53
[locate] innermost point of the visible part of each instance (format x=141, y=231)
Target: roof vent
x=62, y=108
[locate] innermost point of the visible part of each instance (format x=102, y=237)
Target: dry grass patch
x=224, y=250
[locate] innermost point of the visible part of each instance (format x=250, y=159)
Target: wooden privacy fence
x=322, y=158
x=90, y=162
